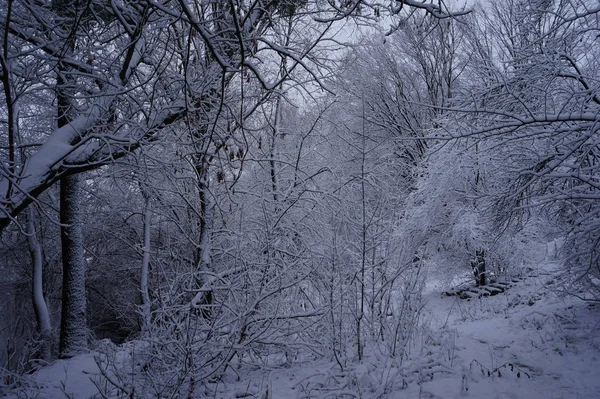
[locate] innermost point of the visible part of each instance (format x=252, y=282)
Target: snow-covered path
x=525, y=343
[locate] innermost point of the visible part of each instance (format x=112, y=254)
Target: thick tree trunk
x=73, y=328
x=42, y=316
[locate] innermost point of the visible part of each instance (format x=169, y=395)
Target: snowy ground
x=525, y=343
x=534, y=343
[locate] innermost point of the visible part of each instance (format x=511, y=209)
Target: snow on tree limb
x=132, y=80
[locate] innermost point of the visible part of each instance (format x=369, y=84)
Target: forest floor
x=527, y=342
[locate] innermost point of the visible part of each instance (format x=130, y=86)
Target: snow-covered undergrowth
x=528, y=342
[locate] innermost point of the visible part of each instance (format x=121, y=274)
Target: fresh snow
x=551, y=341
x=535, y=344
x=71, y=378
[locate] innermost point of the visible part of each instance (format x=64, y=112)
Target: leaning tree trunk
x=40, y=307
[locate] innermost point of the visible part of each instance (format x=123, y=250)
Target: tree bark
x=40, y=307
x=73, y=328
x=204, y=299
x=144, y=291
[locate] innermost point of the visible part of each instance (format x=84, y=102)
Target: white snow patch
x=527, y=342
x=71, y=378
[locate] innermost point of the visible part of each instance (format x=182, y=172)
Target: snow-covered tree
x=541, y=106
